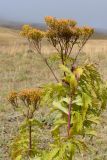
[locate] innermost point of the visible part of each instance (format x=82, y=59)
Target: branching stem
x=38, y=49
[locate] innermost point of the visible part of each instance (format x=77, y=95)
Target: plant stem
x=69, y=117
x=46, y=62
x=79, y=51
x=69, y=110
x=30, y=138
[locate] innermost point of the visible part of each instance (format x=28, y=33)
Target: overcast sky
x=86, y=12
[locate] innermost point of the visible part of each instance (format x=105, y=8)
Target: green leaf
x=78, y=101
x=67, y=100
x=77, y=122
x=65, y=69
x=55, y=131
x=73, y=81
x=78, y=71
x=36, y=158
x=80, y=145
x=58, y=106
x=71, y=150
x=93, y=119
x=19, y=157
x=86, y=99
x=86, y=102
x=60, y=122
x=53, y=153
x=91, y=132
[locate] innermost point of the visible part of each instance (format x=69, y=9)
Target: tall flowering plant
x=23, y=145
x=78, y=97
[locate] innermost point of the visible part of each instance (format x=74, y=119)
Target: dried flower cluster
x=66, y=29
x=34, y=36
x=32, y=33
x=29, y=97
x=63, y=34
x=13, y=98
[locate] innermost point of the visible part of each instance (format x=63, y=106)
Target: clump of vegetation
x=78, y=97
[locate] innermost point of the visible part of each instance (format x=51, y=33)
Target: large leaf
x=77, y=122
x=86, y=99
x=58, y=106
x=78, y=101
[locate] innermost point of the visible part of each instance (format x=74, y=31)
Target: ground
x=21, y=68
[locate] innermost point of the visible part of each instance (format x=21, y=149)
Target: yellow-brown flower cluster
x=60, y=28
x=65, y=29
x=63, y=34
x=59, y=23
x=28, y=96
x=32, y=33
x=13, y=98
x=25, y=30
x=87, y=31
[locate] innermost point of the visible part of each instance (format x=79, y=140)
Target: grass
x=20, y=68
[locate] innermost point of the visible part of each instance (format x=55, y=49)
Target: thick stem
x=69, y=117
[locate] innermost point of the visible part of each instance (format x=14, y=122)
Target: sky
x=86, y=12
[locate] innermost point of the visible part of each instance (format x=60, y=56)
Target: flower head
x=25, y=30
x=32, y=33
x=87, y=31
x=30, y=96
x=12, y=98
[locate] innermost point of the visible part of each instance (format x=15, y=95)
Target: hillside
x=99, y=33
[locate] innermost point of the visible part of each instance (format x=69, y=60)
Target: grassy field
x=21, y=68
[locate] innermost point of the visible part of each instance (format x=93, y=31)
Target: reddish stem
x=69, y=117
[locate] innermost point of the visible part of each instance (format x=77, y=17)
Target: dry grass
x=22, y=69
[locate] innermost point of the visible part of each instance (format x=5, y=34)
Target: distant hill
x=18, y=25
x=99, y=33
